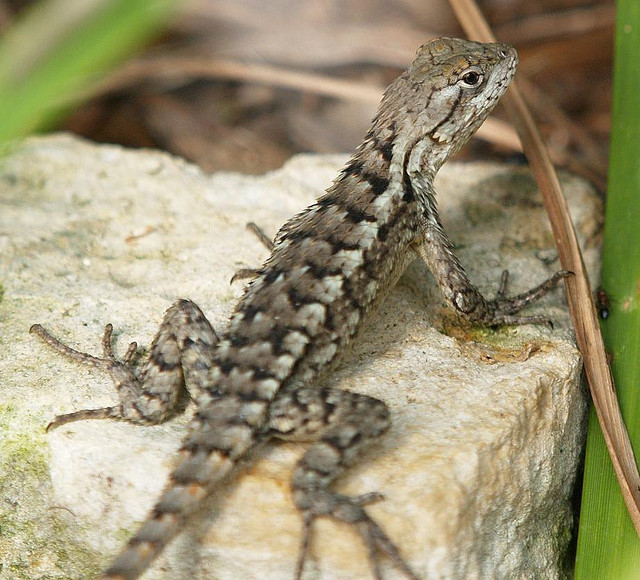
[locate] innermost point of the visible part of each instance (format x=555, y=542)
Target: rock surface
x=488, y=425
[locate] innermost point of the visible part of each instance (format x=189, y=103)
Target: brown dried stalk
x=579, y=295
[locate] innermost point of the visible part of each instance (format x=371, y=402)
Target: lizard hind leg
x=341, y=424
x=181, y=352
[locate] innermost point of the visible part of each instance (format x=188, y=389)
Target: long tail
x=211, y=450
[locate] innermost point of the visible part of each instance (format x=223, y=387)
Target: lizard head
x=443, y=97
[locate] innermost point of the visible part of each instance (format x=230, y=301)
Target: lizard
x=330, y=266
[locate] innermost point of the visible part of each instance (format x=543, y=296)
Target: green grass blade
x=60, y=48
x=608, y=546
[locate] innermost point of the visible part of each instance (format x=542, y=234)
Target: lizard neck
x=397, y=161
x=381, y=176
x=419, y=168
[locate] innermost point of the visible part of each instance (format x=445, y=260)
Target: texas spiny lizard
x=329, y=267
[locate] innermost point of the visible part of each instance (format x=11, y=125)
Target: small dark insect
x=603, y=303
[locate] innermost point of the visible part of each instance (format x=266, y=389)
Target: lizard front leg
x=436, y=250
x=180, y=356
x=341, y=424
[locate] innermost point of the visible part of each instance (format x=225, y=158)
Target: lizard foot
x=503, y=309
x=350, y=510
x=265, y=240
x=121, y=372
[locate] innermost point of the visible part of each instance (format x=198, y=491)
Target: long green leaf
x=60, y=47
x=608, y=546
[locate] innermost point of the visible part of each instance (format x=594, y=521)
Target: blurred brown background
x=244, y=84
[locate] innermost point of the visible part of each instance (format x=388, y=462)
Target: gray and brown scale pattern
x=329, y=268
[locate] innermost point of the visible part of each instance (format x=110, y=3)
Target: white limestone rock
x=488, y=425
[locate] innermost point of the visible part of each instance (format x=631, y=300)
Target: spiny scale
x=329, y=267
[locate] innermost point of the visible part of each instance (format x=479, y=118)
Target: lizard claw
x=502, y=310
x=265, y=240
x=245, y=273
x=121, y=370
x=350, y=510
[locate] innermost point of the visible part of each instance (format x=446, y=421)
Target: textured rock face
x=477, y=470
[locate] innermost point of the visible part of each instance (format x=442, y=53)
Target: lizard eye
x=471, y=79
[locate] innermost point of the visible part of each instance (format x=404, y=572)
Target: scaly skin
x=330, y=266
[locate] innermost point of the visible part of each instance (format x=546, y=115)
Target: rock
x=488, y=425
